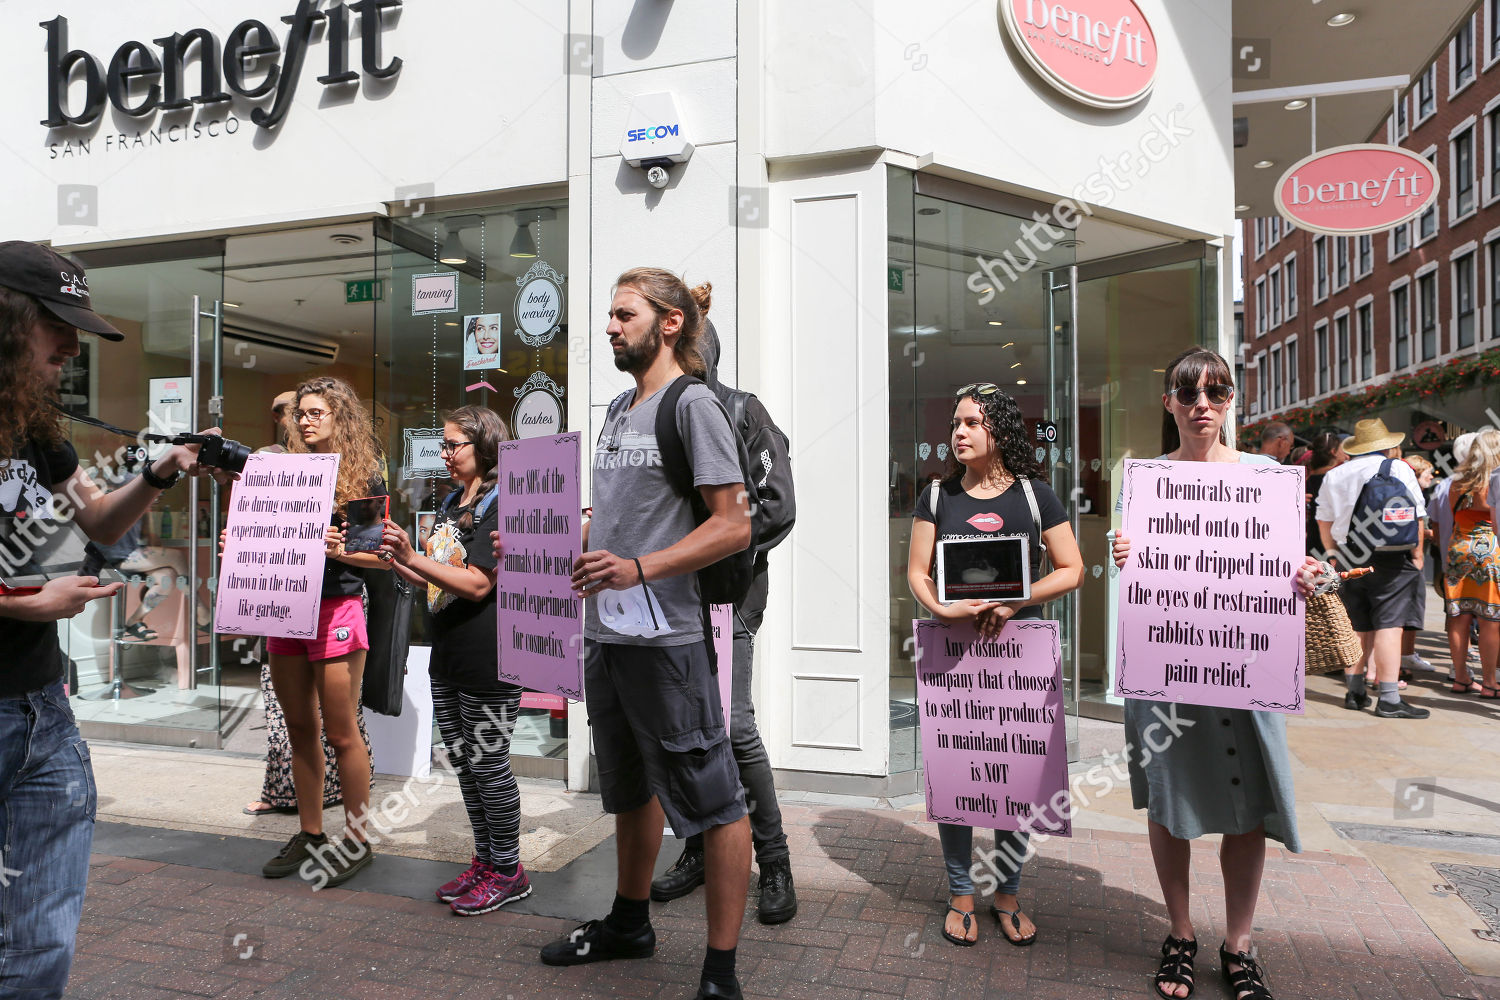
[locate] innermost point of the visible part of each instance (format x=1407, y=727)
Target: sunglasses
x=977, y=389
x=1218, y=394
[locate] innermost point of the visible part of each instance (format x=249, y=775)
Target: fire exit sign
x=365, y=290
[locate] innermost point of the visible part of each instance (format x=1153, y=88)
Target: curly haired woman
x=326, y=671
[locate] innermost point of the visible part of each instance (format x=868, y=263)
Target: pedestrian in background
x=1327, y=454
x=1276, y=440
x=1410, y=660
x=1472, y=566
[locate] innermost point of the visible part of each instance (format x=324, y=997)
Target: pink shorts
x=341, y=631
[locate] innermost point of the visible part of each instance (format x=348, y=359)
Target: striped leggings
x=476, y=727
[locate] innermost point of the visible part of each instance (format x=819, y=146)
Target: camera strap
x=95, y=422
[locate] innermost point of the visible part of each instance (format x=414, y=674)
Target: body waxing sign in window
x=1100, y=52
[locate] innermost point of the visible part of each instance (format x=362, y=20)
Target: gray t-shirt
x=636, y=511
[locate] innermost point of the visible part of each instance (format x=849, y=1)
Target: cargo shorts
x=658, y=730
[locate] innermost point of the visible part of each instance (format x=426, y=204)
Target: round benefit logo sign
x=538, y=413
x=1356, y=190
x=539, y=307
x=1099, y=52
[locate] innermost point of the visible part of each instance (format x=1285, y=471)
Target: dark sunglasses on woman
x=1218, y=394
x=977, y=389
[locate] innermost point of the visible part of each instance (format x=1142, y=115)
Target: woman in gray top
x=1224, y=771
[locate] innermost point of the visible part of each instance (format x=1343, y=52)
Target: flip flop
x=1473, y=687
x=968, y=916
x=1015, y=921
x=265, y=809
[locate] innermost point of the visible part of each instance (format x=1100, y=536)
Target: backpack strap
x=674, y=457
x=1036, y=513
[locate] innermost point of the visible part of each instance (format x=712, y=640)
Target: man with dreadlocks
x=47, y=795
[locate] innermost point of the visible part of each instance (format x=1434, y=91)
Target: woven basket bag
x=1331, y=642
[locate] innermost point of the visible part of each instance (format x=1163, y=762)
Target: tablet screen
x=366, y=517
x=984, y=569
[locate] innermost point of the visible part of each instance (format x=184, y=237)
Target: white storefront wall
x=794, y=111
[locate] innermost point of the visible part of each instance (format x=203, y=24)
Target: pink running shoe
x=493, y=891
x=466, y=880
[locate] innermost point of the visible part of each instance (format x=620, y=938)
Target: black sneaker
x=685, y=875
x=296, y=851
x=1356, y=702
x=778, y=897
x=596, y=941
x=343, y=859
x=713, y=991
x=1402, y=709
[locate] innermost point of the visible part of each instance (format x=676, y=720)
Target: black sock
x=509, y=871
x=316, y=838
x=718, y=967
x=1355, y=682
x=629, y=914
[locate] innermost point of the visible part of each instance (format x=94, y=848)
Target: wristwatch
x=157, y=482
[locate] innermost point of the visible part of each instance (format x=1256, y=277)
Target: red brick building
x=1338, y=328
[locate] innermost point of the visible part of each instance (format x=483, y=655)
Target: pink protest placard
x=994, y=750
x=271, y=574
x=1209, y=610
x=540, y=618
x=721, y=620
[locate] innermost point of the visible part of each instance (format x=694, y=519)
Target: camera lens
x=233, y=456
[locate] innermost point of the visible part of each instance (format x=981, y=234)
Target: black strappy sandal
x=1015, y=921
x=968, y=916
x=1176, y=966
x=1247, y=984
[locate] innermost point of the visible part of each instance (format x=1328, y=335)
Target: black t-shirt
x=33, y=657
x=962, y=516
x=341, y=579
x=463, y=632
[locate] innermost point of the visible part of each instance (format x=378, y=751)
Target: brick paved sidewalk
x=871, y=889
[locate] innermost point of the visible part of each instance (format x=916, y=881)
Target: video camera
x=214, y=450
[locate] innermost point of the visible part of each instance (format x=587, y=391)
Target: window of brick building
x=1401, y=325
x=1427, y=221
x=1341, y=345
x=1340, y=262
x=1365, y=324
x=1293, y=382
x=1289, y=278
x=1461, y=169
x=1320, y=340
x=1400, y=240
x=1427, y=314
x=1494, y=254
x=1464, y=313
x=1365, y=248
x=1273, y=294
x=1462, y=52
x=1260, y=307
x=1320, y=268
x=1427, y=94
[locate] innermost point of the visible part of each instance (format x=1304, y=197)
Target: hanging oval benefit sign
x=1356, y=190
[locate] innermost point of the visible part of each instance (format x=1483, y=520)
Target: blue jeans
x=958, y=857
x=47, y=806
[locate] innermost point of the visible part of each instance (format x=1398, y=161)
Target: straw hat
x=1371, y=435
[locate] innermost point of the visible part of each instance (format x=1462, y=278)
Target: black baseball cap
x=55, y=281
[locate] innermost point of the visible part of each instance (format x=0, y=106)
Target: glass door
x=1135, y=313
x=975, y=294
x=142, y=665
x=1057, y=448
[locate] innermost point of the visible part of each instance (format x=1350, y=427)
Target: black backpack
x=775, y=511
x=728, y=580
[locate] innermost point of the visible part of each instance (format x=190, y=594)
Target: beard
x=636, y=358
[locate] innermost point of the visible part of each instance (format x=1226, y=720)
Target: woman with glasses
x=1224, y=771
x=476, y=712
x=324, y=673
x=992, y=489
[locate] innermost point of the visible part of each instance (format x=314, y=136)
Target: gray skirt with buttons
x=1198, y=770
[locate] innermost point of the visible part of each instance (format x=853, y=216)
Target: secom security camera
x=655, y=138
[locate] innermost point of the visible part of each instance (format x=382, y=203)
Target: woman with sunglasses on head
x=1226, y=771
x=323, y=675
x=476, y=712
x=992, y=489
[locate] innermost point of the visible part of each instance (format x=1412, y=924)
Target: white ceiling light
x=1242, y=208
x=1263, y=164
x=1341, y=20
x=1297, y=105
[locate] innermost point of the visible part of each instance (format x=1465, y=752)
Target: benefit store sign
x=159, y=84
x=1098, y=52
